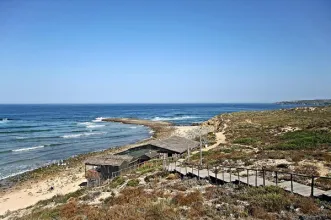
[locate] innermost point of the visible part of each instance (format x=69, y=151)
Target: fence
x=243, y=175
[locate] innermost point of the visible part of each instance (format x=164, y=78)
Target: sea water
x=32, y=136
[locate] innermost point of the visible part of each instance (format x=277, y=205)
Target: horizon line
x=136, y=103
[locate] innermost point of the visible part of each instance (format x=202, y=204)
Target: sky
x=174, y=51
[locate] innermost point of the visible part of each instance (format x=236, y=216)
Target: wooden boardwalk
x=251, y=180
x=300, y=189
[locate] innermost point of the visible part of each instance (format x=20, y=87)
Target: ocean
x=32, y=136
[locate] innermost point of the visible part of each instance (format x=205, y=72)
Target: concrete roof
x=175, y=144
x=108, y=160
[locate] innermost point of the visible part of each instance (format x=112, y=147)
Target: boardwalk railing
x=254, y=177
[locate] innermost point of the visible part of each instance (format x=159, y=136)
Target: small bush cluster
x=63, y=198
x=160, y=174
x=245, y=141
x=188, y=199
x=117, y=181
x=303, y=140
x=133, y=183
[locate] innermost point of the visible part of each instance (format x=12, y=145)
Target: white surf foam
x=20, y=138
x=99, y=119
x=72, y=136
x=3, y=120
x=28, y=148
x=15, y=174
x=85, y=123
x=173, y=118
x=83, y=134
x=94, y=126
x=133, y=127
x=94, y=133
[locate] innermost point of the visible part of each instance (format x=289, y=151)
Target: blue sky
x=164, y=51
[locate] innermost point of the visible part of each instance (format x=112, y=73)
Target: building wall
x=107, y=171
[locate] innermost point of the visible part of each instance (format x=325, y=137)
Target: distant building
x=171, y=146
x=104, y=167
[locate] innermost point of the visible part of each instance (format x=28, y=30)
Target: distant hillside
x=307, y=102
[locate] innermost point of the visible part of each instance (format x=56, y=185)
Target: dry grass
x=189, y=199
x=167, y=203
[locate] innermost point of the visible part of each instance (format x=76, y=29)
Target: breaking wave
x=15, y=174
x=99, y=119
x=85, y=123
x=92, y=124
x=95, y=126
x=82, y=134
x=21, y=138
x=3, y=120
x=28, y=148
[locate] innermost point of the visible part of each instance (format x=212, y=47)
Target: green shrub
x=133, y=183
x=117, y=181
x=303, y=140
x=245, y=141
x=62, y=198
x=271, y=198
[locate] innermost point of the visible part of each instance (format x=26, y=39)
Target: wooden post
x=312, y=186
x=223, y=173
x=208, y=171
x=238, y=178
x=230, y=175
x=263, y=174
x=276, y=178
x=192, y=168
x=247, y=177
x=199, y=172
x=291, y=183
x=216, y=180
x=256, y=178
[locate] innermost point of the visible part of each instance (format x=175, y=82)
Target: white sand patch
x=35, y=191
x=191, y=132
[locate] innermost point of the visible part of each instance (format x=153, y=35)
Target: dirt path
x=220, y=139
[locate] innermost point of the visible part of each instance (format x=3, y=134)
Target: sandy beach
x=34, y=191
x=30, y=192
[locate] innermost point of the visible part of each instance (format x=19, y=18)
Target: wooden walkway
x=251, y=180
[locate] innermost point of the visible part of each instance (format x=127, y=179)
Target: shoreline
x=160, y=128
x=26, y=189
x=157, y=128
